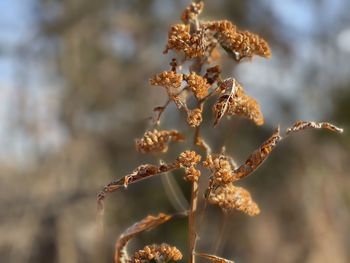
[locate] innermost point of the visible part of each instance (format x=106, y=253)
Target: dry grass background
x=48, y=209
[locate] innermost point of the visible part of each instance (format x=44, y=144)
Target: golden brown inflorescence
x=230, y=197
x=198, y=84
x=191, y=12
x=234, y=101
x=157, y=141
x=167, y=79
x=194, y=117
x=157, y=253
x=189, y=160
x=220, y=167
x=207, y=35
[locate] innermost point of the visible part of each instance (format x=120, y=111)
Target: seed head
x=192, y=12
x=230, y=197
x=197, y=84
x=167, y=79
x=156, y=253
x=189, y=158
x=239, y=104
x=179, y=38
x=220, y=167
x=157, y=141
x=194, y=117
x=192, y=174
x=247, y=44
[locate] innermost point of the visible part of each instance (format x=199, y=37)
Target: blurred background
x=74, y=95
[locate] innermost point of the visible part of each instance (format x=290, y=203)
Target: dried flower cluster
x=198, y=42
x=229, y=197
x=234, y=101
x=198, y=85
x=189, y=160
x=194, y=117
x=157, y=253
x=167, y=79
x=192, y=12
x=157, y=141
x=220, y=167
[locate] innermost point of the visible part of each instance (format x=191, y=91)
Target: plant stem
x=191, y=222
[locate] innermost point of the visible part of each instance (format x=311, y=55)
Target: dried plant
x=198, y=42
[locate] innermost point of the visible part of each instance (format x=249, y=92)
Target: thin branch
x=192, y=236
x=161, y=109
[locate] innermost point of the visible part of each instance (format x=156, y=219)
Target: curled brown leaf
x=258, y=156
x=213, y=258
x=302, y=125
x=147, y=223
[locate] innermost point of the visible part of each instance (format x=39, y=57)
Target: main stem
x=192, y=236
x=191, y=222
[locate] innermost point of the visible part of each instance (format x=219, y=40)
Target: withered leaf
x=214, y=258
x=236, y=102
x=258, y=156
x=142, y=172
x=145, y=224
x=302, y=125
x=222, y=105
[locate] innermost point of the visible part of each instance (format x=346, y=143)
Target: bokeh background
x=74, y=94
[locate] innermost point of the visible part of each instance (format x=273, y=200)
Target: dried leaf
x=258, y=156
x=147, y=223
x=236, y=102
x=214, y=258
x=142, y=172
x=223, y=103
x=302, y=125
x=212, y=74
